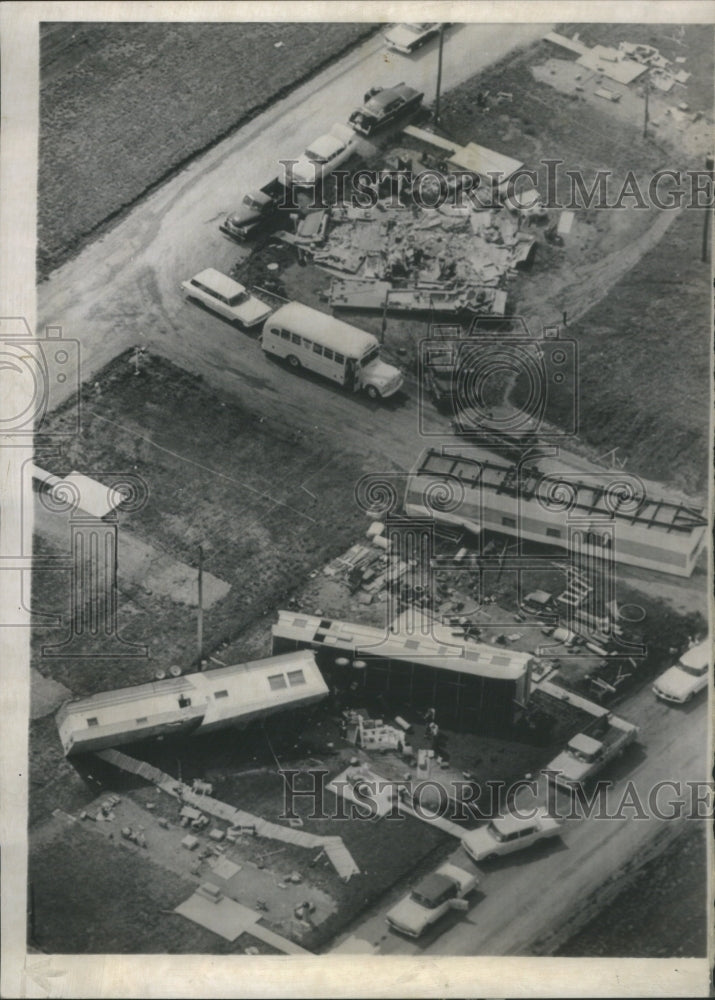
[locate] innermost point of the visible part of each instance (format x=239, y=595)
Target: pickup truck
x=256, y=210
x=587, y=753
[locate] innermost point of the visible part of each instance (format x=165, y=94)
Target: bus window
x=339, y=358
x=295, y=339
x=317, y=349
x=307, y=344
x=327, y=353
x=370, y=357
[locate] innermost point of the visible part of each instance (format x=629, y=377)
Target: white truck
x=588, y=752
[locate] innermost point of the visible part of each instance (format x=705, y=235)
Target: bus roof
x=324, y=329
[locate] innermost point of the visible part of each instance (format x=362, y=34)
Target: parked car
x=324, y=155
x=382, y=105
x=687, y=677
x=407, y=38
x=226, y=297
x=509, y=833
x=430, y=899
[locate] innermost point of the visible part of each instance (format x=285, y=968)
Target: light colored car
x=430, y=899
x=687, y=677
x=509, y=833
x=408, y=37
x=324, y=155
x=226, y=297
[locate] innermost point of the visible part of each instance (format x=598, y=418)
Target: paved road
x=533, y=901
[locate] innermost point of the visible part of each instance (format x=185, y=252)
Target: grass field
x=124, y=105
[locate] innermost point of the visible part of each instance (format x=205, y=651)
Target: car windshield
x=251, y=202
x=315, y=157
x=694, y=671
x=236, y=300
x=371, y=356
x=587, y=758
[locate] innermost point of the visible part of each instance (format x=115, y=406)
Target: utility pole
x=707, y=221
x=439, y=74
x=200, y=620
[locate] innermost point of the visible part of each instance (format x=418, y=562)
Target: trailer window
x=509, y=522
x=184, y=702
x=93, y=722
x=277, y=681
x=142, y=720
x=296, y=677
x=285, y=335
x=220, y=694
x=553, y=533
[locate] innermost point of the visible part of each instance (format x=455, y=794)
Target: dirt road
x=533, y=901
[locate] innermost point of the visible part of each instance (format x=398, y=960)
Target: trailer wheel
x=372, y=392
x=293, y=361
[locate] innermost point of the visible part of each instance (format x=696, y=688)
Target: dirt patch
x=123, y=106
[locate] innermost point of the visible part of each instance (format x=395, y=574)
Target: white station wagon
x=226, y=297
x=506, y=834
x=323, y=156
x=687, y=677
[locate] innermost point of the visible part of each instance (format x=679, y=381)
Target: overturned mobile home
x=472, y=686
x=195, y=703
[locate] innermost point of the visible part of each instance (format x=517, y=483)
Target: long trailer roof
x=591, y=496
x=477, y=659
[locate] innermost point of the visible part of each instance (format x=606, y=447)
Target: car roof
x=326, y=145
x=432, y=886
x=384, y=97
x=584, y=743
x=696, y=655
x=219, y=282
x=510, y=823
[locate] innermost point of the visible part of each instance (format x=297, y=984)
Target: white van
x=307, y=338
x=687, y=677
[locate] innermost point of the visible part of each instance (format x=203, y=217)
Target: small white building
x=199, y=703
